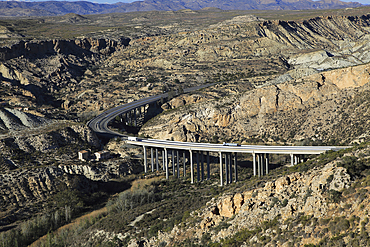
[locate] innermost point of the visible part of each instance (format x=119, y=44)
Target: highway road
x=100, y=123
x=234, y=149
x=260, y=153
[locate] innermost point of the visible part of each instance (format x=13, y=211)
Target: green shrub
x=284, y=203
x=334, y=196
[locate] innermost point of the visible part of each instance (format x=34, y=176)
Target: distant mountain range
x=51, y=8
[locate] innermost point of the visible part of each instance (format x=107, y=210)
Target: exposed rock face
x=242, y=48
x=100, y=172
x=262, y=111
x=13, y=119
x=39, y=68
x=184, y=100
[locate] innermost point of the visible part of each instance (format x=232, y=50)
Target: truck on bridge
x=231, y=144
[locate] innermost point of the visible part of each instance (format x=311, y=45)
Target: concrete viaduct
x=198, y=153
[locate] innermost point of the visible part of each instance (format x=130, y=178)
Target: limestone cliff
x=310, y=107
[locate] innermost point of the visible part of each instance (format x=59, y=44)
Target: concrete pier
x=198, y=167
x=152, y=158
x=145, y=160
x=173, y=162
x=292, y=159
x=208, y=167
x=163, y=161
x=156, y=159
x=259, y=165
x=230, y=168
x=178, y=163
x=221, y=173
x=226, y=169
x=166, y=162
x=184, y=163
x=236, y=167
x=191, y=167
x=254, y=165
x=202, y=165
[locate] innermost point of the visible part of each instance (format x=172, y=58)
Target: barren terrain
x=292, y=78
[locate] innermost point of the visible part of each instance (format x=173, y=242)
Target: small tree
x=180, y=90
x=150, y=79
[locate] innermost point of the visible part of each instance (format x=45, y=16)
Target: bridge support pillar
x=173, y=162
x=208, y=167
x=184, y=162
x=292, y=159
x=138, y=115
x=295, y=159
x=202, y=164
x=259, y=164
x=191, y=167
x=254, y=165
x=178, y=164
x=163, y=161
x=230, y=169
x=156, y=159
x=226, y=169
x=166, y=162
x=135, y=118
x=267, y=163
x=198, y=167
x=144, y=113
x=221, y=173
x=152, y=158
x=145, y=160
x=235, y=167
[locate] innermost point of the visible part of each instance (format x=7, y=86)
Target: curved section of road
x=100, y=125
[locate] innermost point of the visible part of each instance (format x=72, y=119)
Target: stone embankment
x=39, y=49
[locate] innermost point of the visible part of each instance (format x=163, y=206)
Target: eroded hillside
x=281, y=82
x=328, y=107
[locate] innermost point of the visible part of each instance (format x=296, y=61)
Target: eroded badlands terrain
x=296, y=82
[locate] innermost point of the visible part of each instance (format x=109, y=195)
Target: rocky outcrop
x=286, y=197
x=13, y=119
x=30, y=148
x=38, y=68
x=184, y=100
x=101, y=172
x=40, y=49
